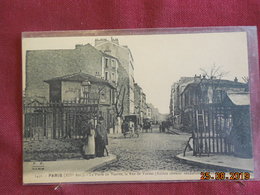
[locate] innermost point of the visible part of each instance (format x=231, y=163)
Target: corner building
x=126, y=61
x=43, y=65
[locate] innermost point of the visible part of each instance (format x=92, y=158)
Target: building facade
x=216, y=112
x=43, y=65
x=175, y=101
x=203, y=91
x=148, y=112
x=82, y=88
x=124, y=55
x=138, y=101
x=156, y=116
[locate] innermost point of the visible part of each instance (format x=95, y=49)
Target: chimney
x=98, y=75
x=236, y=80
x=197, y=78
x=78, y=46
x=115, y=40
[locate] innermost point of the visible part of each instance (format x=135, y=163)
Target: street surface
x=151, y=151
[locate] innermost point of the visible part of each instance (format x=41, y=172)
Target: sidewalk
x=218, y=161
x=81, y=165
x=63, y=170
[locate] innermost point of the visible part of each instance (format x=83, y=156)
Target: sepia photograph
x=129, y=106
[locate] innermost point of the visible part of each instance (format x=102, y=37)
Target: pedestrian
x=163, y=127
x=140, y=127
x=131, y=127
x=101, y=139
x=89, y=137
x=125, y=127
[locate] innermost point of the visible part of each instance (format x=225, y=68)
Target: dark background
x=17, y=16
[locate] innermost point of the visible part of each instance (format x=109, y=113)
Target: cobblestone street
x=151, y=151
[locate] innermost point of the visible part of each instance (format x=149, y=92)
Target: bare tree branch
x=120, y=97
x=213, y=72
x=245, y=79
x=204, y=72
x=122, y=105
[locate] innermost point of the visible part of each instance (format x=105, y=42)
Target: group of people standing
x=164, y=125
x=95, y=138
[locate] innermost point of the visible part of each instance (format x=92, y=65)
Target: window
x=103, y=96
x=106, y=62
x=113, y=63
x=103, y=68
x=106, y=75
x=112, y=96
x=85, y=91
x=113, y=76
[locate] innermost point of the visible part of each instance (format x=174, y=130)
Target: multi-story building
x=175, y=102
x=218, y=111
x=203, y=91
x=43, y=65
x=209, y=91
x=138, y=100
x=143, y=105
x=155, y=114
x=124, y=55
x=148, y=112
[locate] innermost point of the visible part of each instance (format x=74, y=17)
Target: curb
x=209, y=165
x=112, y=159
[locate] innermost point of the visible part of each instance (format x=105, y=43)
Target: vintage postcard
x=139, y=105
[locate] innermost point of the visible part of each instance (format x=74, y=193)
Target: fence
x=212, y=125
x=57, y=120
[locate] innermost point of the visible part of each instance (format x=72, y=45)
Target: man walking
x=101, y=139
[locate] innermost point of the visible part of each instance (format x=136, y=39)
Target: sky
x=160, y=60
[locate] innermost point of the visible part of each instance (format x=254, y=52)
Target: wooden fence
x=56, y=120
x=212, y=125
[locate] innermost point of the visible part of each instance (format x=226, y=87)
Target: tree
x=245, y=79
x=99, y=91
x=214, y=72
x=119, y=103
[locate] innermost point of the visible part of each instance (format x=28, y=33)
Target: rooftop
x=217, y=83
x=239, y=99
x=222, y=82
x=80, y=77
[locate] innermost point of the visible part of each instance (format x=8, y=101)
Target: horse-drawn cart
x=147, y=126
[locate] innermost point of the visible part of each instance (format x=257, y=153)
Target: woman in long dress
x=89, y=146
